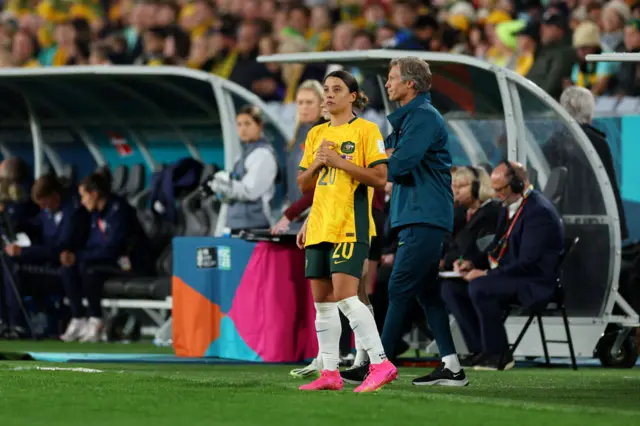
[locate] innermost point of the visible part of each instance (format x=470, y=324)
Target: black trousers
x=479, y=307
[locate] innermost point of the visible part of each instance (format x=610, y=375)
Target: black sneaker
x=442, y=376
x=355, y=376
x=471, y=359
x=494, y=362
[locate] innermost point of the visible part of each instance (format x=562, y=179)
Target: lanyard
x=505, y=239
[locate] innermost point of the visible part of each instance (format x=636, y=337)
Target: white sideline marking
x=76, y=369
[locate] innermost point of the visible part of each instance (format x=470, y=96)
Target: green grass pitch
x=191, y=395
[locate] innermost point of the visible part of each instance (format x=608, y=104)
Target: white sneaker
x=310, y=370
x=93, y=331
x=75, y=330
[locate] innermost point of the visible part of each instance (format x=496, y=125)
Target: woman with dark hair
x=342, y=159
x=115, y=244
x=250, y=186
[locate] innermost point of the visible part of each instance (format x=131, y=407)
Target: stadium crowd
x=546, y=41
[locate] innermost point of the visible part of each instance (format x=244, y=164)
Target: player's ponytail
x=361, y=101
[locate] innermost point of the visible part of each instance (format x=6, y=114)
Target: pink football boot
x=329, y=380
x=379, y=375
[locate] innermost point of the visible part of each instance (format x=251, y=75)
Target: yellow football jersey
x=341, y=210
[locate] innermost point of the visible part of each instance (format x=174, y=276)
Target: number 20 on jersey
x=327, y=176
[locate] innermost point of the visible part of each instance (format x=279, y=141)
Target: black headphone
x=515, y=182
x=475, y=185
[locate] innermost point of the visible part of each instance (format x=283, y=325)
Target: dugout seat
x=144, y=287
x=67, y=177
x=135, y=181
x=194, y=221
x=554, y=307
x=119, y=178
x=556, y=185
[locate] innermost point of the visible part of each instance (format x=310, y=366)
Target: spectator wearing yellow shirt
x=517, y=39
x=528, y=39
x=496, y=53
x=64, y=36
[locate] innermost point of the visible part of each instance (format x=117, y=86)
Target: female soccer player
x=342, y=159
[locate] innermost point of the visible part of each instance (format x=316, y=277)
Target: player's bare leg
x=328, y=329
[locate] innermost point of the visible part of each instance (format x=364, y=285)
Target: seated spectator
x=115, y=245
x=250, y=186
x=472, y=191
x=594, y=76
x=522, y=266
x=554, y=58
x=61, y=225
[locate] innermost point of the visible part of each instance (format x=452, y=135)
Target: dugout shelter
x=493, y=113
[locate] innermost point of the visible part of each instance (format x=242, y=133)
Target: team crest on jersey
x=348, y=147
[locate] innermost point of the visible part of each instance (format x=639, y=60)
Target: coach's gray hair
x=579, y=103
x=414, y=69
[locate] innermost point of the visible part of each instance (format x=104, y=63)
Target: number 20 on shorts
x=343, y=251
x=328, y=176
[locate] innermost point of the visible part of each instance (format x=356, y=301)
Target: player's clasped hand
x=327, y=154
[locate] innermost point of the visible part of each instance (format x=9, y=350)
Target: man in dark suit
x=522, y=266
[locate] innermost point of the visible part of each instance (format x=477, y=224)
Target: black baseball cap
x=532, y=29
x=556, y=19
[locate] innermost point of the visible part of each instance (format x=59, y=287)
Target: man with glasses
x=521, y=266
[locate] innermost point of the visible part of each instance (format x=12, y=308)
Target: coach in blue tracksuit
x=421, y=213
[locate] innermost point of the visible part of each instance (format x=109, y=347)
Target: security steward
x=61, y=224
x=116, y=245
